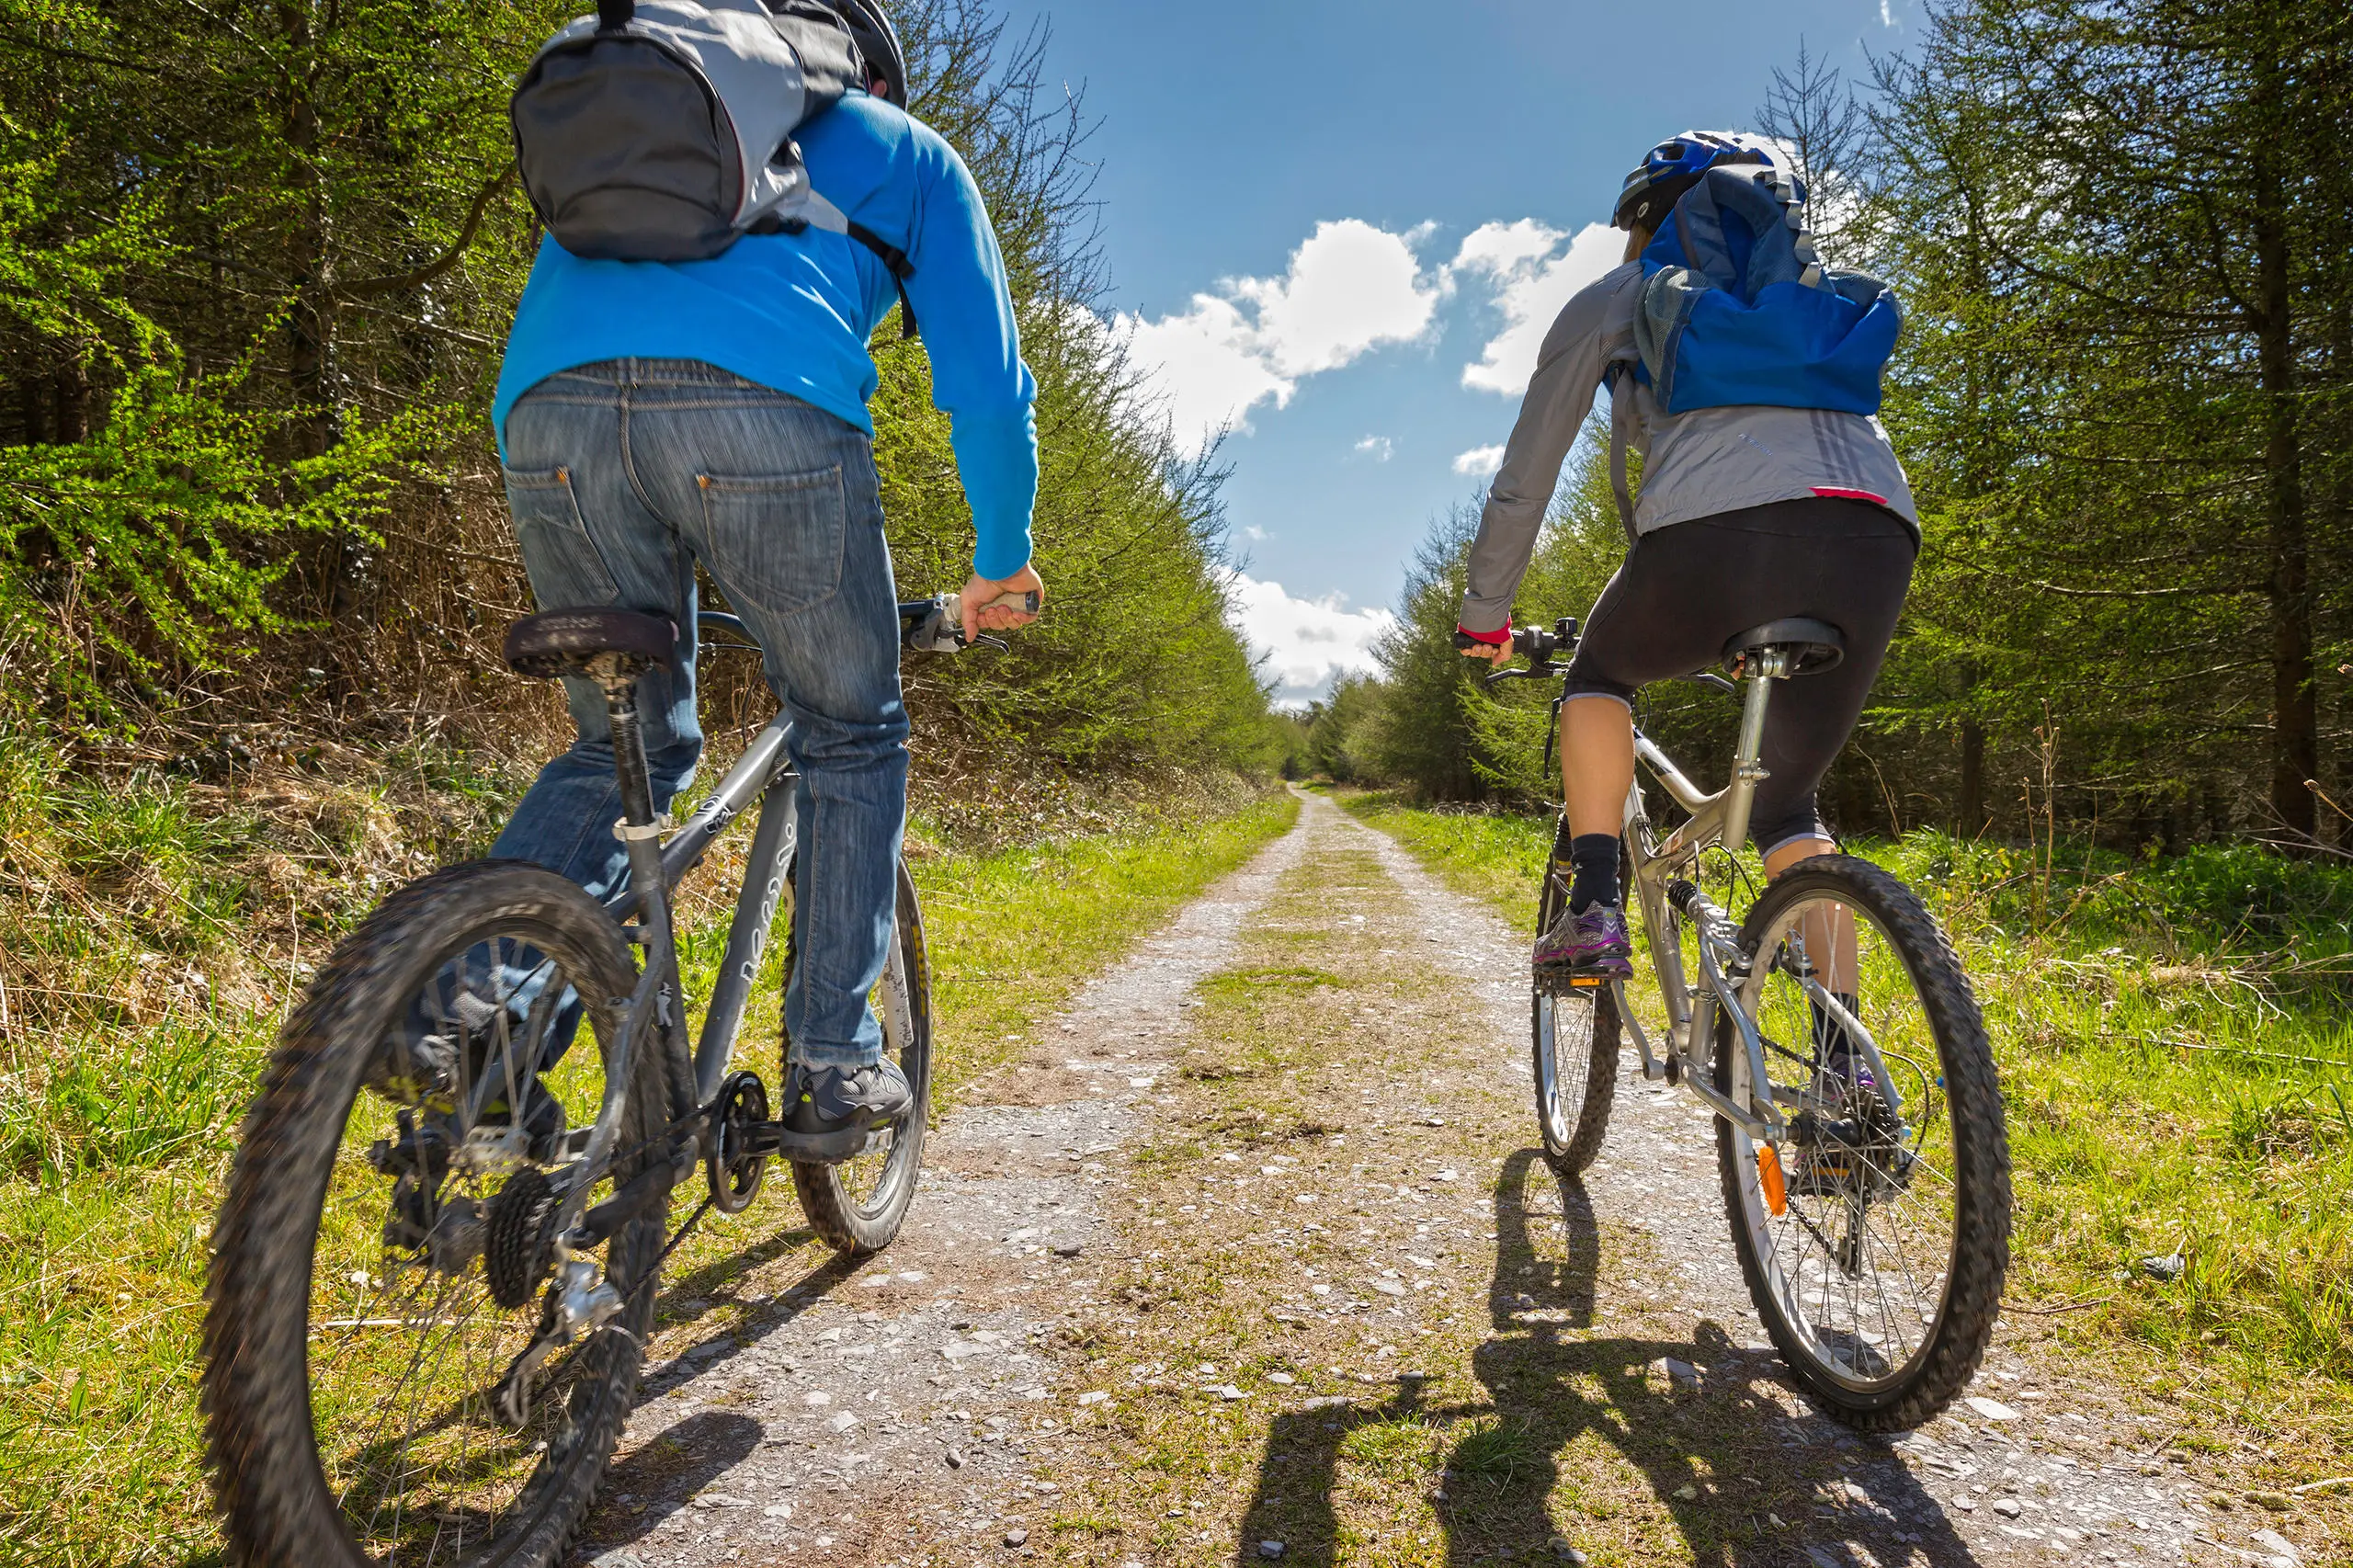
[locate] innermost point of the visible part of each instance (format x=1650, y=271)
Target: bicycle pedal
x=815, y=1148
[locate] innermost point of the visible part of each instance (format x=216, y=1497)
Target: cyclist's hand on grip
x=1496, y=654
x=984, y=613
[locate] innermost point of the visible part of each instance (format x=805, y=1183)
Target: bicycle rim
x=1563, y=1064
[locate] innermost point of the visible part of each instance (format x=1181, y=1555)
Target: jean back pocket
x=566, y=569
x=778, y=541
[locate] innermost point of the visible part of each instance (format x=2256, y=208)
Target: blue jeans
x=625, y=476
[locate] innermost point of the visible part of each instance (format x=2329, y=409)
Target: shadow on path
x=1741, y=1484
x=674, y=1466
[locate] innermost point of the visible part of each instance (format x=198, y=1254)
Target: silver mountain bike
x=1830, y=1028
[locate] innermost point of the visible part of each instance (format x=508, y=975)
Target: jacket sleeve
x=961, y=299
x=1560, y=395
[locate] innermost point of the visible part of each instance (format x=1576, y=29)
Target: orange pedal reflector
x=1769, y=1175
x=1581, y=983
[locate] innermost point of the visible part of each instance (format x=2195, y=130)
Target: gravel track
x=927, y=1407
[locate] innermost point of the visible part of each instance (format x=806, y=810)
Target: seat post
x=635, y=777
x=1761, y=669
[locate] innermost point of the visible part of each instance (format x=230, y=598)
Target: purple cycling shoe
x=1589, y=944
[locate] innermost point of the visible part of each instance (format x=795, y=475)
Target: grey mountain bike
x=1830, y=1028
x=433, y=1271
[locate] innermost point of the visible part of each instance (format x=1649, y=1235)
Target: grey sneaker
x=1591, y=945
x=829, y=1100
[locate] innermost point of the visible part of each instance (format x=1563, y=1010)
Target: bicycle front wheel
x=1575, y=1056
x=1875, y=1236
x=858, y=1206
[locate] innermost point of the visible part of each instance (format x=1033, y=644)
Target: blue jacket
x=795, y=312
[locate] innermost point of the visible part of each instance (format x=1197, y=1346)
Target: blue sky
x=1345, y=226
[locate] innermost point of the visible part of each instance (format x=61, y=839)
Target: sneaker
x=832, y=1099
x=1592, y=944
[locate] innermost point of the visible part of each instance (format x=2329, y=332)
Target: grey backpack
x=661, y=129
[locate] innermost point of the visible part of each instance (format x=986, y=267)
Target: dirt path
x=1249, y=1260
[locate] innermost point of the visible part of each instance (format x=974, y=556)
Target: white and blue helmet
x=1673, y=167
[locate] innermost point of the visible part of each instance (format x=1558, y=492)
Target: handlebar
x=925, y=626
x=1538, y=647
x=937, y=625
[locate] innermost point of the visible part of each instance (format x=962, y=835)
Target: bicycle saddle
x=563, y=642
x=1813, y=645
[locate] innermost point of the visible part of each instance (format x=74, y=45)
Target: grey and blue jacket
x=1698, y=464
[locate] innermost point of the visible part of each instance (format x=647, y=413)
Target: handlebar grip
x=1025, y=601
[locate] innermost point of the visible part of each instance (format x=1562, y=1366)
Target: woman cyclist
x=1747, y=513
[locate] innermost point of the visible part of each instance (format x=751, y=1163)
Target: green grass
x=2176, y=1051
x=124, y=1076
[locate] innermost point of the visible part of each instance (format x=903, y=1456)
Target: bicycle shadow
x=665, y=1472
x=694, y=1296
x=1517, y=1470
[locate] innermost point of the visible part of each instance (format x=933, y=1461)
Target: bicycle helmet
x=878, y=42
x=1673, y=167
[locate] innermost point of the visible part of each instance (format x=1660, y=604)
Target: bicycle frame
x=762, y=777
x=765, y=779
x=1718, y=819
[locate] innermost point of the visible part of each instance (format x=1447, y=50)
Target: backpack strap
x=901, y=269
x=822, y=214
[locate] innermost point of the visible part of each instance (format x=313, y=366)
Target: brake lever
x=1534, y=672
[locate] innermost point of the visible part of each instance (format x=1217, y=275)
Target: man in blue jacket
x=654, y=417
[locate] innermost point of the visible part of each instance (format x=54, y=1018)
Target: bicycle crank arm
x=1652, y=1068
x=815, y=1148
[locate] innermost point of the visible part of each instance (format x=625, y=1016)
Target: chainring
x=734, y=1171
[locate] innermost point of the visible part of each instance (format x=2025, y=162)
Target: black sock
x=1595, y=857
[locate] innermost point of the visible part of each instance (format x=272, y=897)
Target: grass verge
x=2178, y=1055
x=155, y=929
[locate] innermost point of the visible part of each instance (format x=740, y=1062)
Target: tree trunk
x=32, y=409
x=2295, y=709
x=1971, y=821
x=72, y=405
x=310, y=325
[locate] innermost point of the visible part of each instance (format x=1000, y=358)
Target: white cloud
x=1380, y=449
x=1203, y=366
x=1308, y=644
x=1480, y=462
x=1350, y=287
x=1532, y=277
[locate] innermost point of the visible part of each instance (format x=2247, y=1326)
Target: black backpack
x=661, y=129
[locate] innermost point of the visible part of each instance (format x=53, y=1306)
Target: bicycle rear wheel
x=858, y=1206
x=1875, y=1237
x=1574, y=1050
x=378, y=1259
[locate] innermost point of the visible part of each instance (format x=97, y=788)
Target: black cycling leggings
x=1687, y=588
